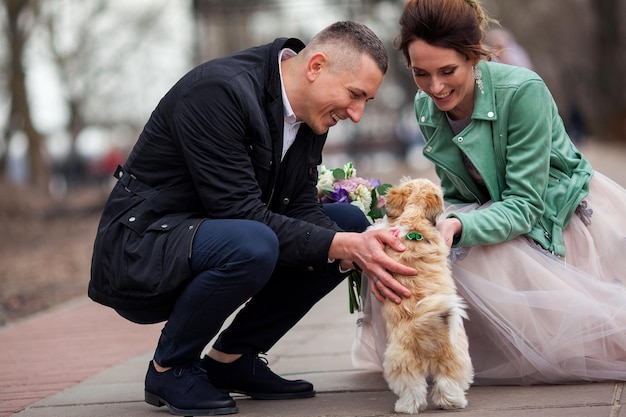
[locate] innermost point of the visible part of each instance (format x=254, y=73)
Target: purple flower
x=374, y=182
x=340, y=195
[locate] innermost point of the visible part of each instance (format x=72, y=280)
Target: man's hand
x=367, y=251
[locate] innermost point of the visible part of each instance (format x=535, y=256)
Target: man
x=217, y=206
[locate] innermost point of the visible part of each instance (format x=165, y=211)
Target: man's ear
x=316, y=63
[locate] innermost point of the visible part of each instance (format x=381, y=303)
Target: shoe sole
x=157, y=401
x=270, y=396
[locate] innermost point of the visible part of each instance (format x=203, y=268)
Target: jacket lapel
x=274, y=108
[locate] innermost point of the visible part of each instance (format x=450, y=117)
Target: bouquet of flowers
x=342, y=185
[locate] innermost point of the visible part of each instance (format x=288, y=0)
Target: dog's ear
x=433, y=203
x=396, y=201
x=432, y=200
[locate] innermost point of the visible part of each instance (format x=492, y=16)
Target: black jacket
x=211, y=149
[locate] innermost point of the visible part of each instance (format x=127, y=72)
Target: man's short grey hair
x=344, y=41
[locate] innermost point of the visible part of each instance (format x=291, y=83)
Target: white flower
x=359, y=204
x=364, y=196
x=350, y=170
x=325, y=178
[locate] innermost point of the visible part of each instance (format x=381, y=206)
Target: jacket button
x=460, y=139
x=132, y=219
x=309, y=268
x=286, y=201
x=428, y=149
x=164, y=226
x=490, y=114
x=423, y=119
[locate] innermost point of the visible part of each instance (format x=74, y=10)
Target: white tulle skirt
x=535, y=318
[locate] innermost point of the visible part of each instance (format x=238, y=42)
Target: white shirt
x=290, y=124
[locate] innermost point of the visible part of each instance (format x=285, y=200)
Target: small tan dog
x=425, y=333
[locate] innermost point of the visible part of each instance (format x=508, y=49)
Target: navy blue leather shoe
x=186, y=390
x=250, y=375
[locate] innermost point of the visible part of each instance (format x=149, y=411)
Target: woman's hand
x=449, y=228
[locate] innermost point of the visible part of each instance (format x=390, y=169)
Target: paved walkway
x=81, y=359
x=57, y=349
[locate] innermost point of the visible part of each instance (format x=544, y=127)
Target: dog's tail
x=436, y=309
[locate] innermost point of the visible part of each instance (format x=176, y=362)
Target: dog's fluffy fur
x=425, y=333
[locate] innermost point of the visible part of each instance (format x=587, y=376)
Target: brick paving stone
x=58, y=348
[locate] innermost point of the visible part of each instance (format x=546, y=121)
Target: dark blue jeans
x=234, y=262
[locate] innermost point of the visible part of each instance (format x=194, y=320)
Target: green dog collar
x=413, y=236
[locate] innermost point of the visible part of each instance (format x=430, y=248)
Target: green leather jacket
x=534, y=174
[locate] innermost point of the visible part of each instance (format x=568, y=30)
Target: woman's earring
x=478, y=76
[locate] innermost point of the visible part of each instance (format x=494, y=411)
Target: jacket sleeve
x=528, y=124
x=213, y=123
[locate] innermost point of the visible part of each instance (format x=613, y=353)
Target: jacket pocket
x=155, y=258
x=138, y=253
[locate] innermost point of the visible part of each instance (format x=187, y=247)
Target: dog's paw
x=410, y=405
x=451, y=403
x=448, y=394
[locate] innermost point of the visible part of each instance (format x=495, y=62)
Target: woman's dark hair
x=457, y=24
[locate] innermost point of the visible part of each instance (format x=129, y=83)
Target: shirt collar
x=290, y=116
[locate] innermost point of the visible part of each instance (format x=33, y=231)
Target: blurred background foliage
x=80, y=78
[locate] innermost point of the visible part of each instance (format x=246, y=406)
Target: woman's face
x=445, y=75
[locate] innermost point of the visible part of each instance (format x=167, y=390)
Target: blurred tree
x=84, y=43
x=224, y=25
x=21, y=19
x=227, y=26
x=110, y=60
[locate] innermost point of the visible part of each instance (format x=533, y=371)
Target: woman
x=538, y=239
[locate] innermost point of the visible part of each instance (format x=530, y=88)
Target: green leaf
x=378, y=212
x=354, y=291
x=339, y=174
x=383, y=188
